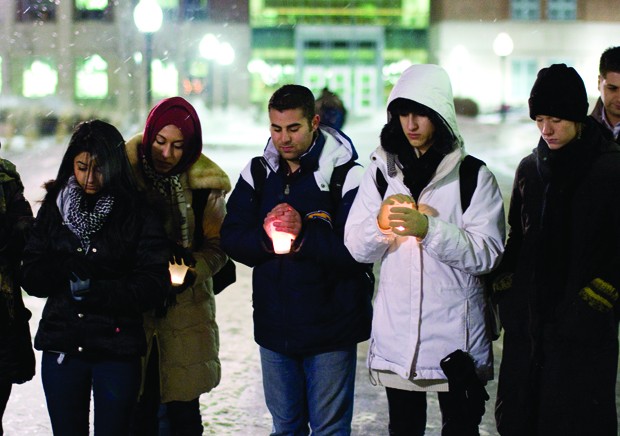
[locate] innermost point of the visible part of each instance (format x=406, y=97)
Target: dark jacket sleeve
x=242, y=234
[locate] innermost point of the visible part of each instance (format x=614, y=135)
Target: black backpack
x=228, y=274
x=468, y=179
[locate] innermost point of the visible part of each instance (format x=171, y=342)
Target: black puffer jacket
x=129, y=276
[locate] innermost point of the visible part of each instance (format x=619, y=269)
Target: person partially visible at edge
x=607, y=108
x=331, y=109
x=311, y=306
x=16, y=355
x=183, y=338
x=558, y=282
x=100, y=257
x=430, y=301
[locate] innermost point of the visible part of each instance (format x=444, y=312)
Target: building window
x=93, y=10
x=35, y=10
x=562, y=10
x=186, y=10
x=40, y=79
x=91, y=80
x=527, y=10
x=523, y=72
x=165, y=78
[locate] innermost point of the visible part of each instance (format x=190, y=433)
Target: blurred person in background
x=100, y=257
x=559, y=278
x=189, y=191
x=17, y=362
x=330, y=109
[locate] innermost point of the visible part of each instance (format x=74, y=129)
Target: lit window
x=165, y=78
x=526, y=10
x=562, y=10
x=91, y=79
x=40, y=79
x=36, y=10
x=93, y=10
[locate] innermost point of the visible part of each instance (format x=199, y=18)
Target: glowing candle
x=281, y=241
x=177, y=272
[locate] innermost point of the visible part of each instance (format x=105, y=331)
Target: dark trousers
x=5, y=392
x=182, y=418
x=407, y=411
x=68, y=382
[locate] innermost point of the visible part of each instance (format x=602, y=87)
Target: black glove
x=188, y=281
x=468, y=391
x=180, y=254
x=79, y=287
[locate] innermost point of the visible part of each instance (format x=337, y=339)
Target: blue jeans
x=67, y=385
x=314, y=389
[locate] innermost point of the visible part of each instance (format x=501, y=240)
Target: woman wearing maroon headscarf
x=183, y=341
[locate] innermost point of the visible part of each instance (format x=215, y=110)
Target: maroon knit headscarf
x=178, y=112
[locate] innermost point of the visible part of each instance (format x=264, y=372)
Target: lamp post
x=148, y=18
x=209, y=46
x=502, y=46
x=225, y=57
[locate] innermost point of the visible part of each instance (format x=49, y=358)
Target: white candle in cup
x=281, y=241
x=177, y=272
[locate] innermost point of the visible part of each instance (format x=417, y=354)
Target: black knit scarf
x=82, y=220
x=418, y=170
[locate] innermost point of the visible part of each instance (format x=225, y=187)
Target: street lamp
x=225, y=57
x=148, y=17
x=209, y=46
x=502, y=46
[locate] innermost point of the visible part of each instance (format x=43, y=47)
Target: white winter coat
x=430, y=301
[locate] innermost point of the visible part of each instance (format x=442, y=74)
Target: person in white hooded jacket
x=430, y=303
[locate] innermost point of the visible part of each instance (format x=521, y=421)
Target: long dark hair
x=105, y=144
x=393, y=138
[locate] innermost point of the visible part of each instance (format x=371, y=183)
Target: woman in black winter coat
x=16, y=355
x=100, y=257
x=560, y=274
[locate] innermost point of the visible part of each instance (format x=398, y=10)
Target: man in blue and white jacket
x=313, y=305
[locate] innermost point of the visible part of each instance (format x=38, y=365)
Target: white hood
x=429, y=85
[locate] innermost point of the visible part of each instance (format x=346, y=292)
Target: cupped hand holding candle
x=393, y=201
x=282, y=225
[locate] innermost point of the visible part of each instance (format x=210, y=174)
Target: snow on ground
x=236, y=406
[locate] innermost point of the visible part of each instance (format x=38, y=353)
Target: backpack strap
x=258, y=169
x=381, y=183
x=199, y=202
x=339, y=175
x=468, y=179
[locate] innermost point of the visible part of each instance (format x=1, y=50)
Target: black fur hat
x=559, y=92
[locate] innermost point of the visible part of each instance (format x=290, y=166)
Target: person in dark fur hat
x=432, y=253
x=183, y=340
x=16, y=355
x=559, y=304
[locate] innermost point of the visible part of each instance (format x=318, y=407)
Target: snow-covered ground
x=236, y=406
